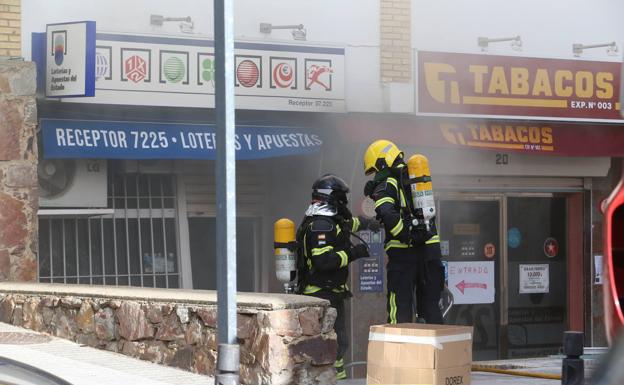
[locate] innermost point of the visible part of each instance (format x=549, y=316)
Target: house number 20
x=502, y=159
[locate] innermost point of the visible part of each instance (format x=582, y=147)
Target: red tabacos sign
x=536, y=137
x=492, y=85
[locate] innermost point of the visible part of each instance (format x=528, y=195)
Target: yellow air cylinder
x=285, y=259
x=421, y=188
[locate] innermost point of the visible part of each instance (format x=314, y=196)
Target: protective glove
x=357, y=252
x=369, y=223
x=419, y=234
x=369, y=187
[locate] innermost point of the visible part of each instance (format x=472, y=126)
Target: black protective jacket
x=327, y=251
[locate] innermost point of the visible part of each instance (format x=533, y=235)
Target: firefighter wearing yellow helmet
x=413, y=247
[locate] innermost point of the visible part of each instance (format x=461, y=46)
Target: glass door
x=506, y=263
x=471, y=244
x=537, y=274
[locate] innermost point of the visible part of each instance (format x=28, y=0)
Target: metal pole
x=228, y=350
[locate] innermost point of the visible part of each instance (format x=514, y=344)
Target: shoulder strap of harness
x=420, y=179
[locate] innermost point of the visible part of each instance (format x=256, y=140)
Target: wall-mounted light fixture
x=297, y=30
x=612, y=48
x=186, y=24
x=516, y=42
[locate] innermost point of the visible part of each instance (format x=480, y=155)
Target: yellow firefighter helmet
x=380, y=154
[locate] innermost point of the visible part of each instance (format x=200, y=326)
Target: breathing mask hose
x=548, y=376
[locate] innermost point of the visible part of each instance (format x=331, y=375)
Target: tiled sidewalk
x=81, y=365
x=545, y=365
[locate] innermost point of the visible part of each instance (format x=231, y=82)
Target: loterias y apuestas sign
x=144, y=140
x=70, y=59
x=521, y=87
x=180, y=72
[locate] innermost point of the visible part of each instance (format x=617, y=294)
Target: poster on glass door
x=471, y=282
x=534, y=278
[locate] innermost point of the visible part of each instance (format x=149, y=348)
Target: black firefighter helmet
x=330, y=189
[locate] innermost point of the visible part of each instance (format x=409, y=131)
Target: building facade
x=519, y=164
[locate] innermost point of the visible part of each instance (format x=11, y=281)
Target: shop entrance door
x=537, y=271
x=470, y=242
x=506, y=258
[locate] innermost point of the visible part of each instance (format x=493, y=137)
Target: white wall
x=548, y=27
x=350, y=22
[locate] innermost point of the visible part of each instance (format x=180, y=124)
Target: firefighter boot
x=341, y=373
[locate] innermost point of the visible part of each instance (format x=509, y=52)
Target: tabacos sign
x=496, y=135
x=491, y=85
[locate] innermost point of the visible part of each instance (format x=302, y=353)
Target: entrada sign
x=484, y=85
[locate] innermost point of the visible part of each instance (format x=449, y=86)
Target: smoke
x=547, y=28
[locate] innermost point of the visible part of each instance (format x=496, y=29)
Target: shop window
x=136, y=245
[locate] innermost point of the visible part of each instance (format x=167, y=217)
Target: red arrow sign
x=463, y=285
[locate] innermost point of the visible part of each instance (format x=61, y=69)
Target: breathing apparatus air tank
x=421, y=189
x=285, y=257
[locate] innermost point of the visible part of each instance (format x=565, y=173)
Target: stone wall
x=284, y=339
x=18, y=172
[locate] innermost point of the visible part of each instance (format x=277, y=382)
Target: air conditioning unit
x=72, y=183
x=148, y=166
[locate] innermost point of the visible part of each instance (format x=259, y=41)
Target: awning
x=529, y=137
x=65, y=138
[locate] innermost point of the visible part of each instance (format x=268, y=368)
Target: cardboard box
x=409, y=354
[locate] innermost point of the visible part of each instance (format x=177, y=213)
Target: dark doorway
x=202, y=236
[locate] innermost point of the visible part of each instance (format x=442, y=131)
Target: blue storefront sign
x=140, y=140
x=371, y=269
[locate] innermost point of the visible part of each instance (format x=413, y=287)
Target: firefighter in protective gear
x=413, y=251
x=325, y=234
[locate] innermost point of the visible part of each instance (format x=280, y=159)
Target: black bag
x=303, y=270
